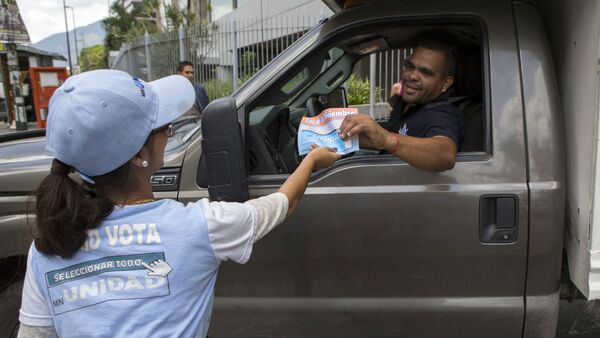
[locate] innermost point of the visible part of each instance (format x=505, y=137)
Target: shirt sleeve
x=270, y=211
x=234, y=227
x=26, y=331
x=231, y=229
x=34, y=308
x=445, y=123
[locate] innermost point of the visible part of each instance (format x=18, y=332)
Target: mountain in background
x=93, y=34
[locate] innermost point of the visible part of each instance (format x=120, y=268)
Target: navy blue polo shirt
x=437, y=118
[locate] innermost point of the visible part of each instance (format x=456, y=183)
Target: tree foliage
x=176, y=17
x=92, y=58
x=359, y=91
x=123, y=27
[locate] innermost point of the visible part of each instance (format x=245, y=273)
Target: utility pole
x=75, y=32
x=68, y=43
x=16, y=92
x=14, y=99
x=83, y=55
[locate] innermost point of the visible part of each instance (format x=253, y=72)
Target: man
x=423, y=128
x=186, y=69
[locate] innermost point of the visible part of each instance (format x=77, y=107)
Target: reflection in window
x=295, y=82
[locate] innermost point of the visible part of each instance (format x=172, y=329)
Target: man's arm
x=201, y=96
x=436, y=153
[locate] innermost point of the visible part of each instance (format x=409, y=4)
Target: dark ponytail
x=65, y=210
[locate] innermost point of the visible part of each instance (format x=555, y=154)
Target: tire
x=10, y=303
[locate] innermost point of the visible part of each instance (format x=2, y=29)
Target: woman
x=108, y=259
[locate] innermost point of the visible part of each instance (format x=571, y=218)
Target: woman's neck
x=131, y=197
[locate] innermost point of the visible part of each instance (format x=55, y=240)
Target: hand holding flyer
x=322, y=130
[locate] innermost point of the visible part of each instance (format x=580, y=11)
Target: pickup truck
x=377, y=247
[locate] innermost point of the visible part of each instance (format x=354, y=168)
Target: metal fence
x=210, y=49
x=255, y=42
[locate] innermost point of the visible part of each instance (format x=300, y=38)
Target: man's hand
x=371, y=134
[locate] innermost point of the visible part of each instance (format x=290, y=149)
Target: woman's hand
x=323, y=157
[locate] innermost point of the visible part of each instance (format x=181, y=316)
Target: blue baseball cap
x=99, y=120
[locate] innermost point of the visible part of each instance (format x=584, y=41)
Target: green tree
x=176, y=17
x=122, y=26
x=92, y=58
x=359, y=91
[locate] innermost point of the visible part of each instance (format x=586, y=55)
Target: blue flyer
x=322, y=130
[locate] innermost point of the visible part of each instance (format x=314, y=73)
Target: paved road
x=5, y=130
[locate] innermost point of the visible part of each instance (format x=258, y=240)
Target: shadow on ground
x=579, y=318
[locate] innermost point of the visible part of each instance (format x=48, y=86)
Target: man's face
x=423, y=77
x=188, y=71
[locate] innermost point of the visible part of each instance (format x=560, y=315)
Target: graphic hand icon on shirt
x=158, y=268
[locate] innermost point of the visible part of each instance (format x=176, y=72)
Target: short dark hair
x=182, y=65
x=445, y=48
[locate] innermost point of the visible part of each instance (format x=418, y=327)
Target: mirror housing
x=223, y=164
x=337, y=98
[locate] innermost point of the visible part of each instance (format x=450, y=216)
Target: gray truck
x=377, y=247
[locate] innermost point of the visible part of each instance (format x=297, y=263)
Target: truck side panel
x=546, y=176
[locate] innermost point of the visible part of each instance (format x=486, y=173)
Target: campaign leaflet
x=322, y=130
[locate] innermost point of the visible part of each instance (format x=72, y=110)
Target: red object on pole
x=44, y=81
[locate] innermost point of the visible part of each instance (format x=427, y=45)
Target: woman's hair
x=65, y=210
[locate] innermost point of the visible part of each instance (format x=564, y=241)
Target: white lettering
x=133, y=283
x=139, y=228
x=125, y=234
x=153, y=236
x=153, y=282
x=70, y=297
x=93, y=240
x=125, y=240
x=86, y=290
x=115, y=284
x=112, y=235
x=102, y=283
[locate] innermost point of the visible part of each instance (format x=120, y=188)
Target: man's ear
x=448, y=81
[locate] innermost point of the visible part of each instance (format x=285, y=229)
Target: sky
x=46, y=17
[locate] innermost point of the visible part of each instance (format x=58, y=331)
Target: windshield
x=276, y=65
x=183, y=129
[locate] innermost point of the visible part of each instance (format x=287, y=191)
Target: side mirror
x=336, y=98
x=223, y=164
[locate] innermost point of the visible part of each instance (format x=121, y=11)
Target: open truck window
x=322, y=79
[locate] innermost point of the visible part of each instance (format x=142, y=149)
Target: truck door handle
x=498, y=218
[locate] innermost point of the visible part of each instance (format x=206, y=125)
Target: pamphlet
x=322, y=130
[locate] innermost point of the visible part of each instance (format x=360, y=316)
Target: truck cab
x=378, y=247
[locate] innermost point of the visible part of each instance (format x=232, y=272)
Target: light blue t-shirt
x=148, y=270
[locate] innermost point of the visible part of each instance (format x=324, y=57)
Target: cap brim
x=176, y=96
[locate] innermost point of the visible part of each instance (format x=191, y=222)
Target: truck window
x=315, y=83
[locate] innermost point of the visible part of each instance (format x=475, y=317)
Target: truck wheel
x=10, y=303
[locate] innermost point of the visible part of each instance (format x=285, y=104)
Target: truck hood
x=24, y=163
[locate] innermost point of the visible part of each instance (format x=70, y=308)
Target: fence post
x=234, y=54
x=127, y=50
x=148, y=59
x=372, y=60
x=181, y=43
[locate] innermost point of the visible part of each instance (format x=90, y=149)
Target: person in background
x=186, y=68
x=108, y=259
